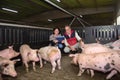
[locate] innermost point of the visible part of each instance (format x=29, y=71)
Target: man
x=71, y=40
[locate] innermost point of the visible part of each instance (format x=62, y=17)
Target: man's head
x=68, y=29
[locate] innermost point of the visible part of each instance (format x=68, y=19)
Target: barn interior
x=32, y=21
x=48, y=13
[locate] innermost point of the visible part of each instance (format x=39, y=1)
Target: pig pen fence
x=104, y=34
x=15, y=35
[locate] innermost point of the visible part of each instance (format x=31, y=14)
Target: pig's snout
x=14, y=75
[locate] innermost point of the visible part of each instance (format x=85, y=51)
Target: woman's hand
x=63, y=41
x=55, y=41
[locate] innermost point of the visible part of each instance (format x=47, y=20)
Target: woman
x=56, y=39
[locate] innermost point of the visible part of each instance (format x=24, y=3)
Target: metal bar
x=53, y=4
x=85, y=22
x=81, y=22
x=72, y=21
x=19, y=25
x=48, y=1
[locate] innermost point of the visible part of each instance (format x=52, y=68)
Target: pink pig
x=116, y=45
x=9, y=53
x=52, y=55
x=91, y=49
x=104, y=62
x=94, y=48
x=28, y=55
x=7, y=66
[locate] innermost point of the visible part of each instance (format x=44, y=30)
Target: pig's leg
x=41, y=64
x=59, y=63
x=88, y=71
x=81, y=70
x=45, y=62
x=34, y=66
x=112, y=73
x=92, y=73
x=1, y=77
x=26, y=65
x=53, y=66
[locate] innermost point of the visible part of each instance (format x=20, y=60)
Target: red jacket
x=72, y=39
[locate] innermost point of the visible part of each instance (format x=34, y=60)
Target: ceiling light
x=58, y=1
x=10, y=10
x=50, y=20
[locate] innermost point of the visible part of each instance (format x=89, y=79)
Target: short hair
x=58, y=30
x=68, y=26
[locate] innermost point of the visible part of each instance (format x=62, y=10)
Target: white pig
x=94, y=48
x=115, y=45
x=104, y=62
x=9, y=53
x=28, y=55
x=51, y=54
x=7, y=66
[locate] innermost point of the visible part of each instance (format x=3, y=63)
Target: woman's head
x=56, y=31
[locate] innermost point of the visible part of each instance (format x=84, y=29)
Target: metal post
x=72, y=21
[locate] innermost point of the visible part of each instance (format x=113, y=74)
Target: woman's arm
x=52, y=38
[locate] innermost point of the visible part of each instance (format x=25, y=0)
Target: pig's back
x=95, y=48
x=43, y=52
x=24, y=48
x=49, y=52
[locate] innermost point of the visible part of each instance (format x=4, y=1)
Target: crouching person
x=71, y=41
x=56, y=39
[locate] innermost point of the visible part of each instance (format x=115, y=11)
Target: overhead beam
x=107, y=21
x=56, y=14
x=88, y=11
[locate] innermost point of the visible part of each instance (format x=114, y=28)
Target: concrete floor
x=68, y=72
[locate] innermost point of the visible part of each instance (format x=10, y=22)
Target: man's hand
x=72, y=48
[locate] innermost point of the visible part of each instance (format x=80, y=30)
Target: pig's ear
x=10, y=46
x=16, y=60
x=97, y=40
x=71, y=55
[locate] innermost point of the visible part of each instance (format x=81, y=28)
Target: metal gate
x=104, y=34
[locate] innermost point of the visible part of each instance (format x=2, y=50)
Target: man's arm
x=77, y=36
x=66, y=43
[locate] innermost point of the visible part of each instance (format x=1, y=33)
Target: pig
x=115, y=45
x=93, y=48
x=103, y=61
x=109, y=44
x=7, y=66
x=28, y=55
x=74, y=61
x=52, y=55
x=9, y=53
